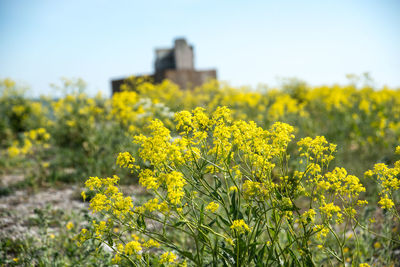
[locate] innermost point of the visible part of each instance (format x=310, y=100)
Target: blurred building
x=177, y=65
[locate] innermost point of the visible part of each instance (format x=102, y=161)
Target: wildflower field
x=213, y=176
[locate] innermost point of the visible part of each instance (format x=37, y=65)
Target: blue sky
x=249, y=42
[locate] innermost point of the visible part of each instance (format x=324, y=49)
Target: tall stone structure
x=177, y=65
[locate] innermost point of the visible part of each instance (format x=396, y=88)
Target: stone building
x=177, y=65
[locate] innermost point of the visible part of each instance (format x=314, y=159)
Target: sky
x=248, y=42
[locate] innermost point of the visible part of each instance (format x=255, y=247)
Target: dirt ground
x=17, y=208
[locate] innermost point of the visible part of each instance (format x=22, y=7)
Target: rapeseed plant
x=223, y=193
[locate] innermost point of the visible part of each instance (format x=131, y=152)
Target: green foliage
x=54, y=244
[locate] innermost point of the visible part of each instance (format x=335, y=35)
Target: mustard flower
x=212, y=206
x=329, y=210
x=125, y=160
x=240, y=226
x=99, y=202
x=386, y=202
x=133, y=247
x=308, y=216
x=147, y=179
x=69, y=225
x=168, y=257
x=151, y=243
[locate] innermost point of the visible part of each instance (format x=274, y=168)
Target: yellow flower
x=71, y=123
x=233, y=189
x=168, y=257
x=308, y=216
x=147, y=179
x=212, y=206
x=240, y=226
x=321, y=231
x=133, y=247
x=117, y=258
x=329, y=210
x=125, y=160
x=151, y=205
x=93, y=183
x=151, y=243
x=386, y=202
x=45, y=165
x=377, y=245
x=100, y=228
x=18, y=110
x=83, y=194
x=229, y=241
x=175, y=183
x=317, y=149
x=69, y=225
x=13, y=151
x=99, y=202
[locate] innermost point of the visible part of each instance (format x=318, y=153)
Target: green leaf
x=140, y=222
x=187, y=254
x=258, y=259
x=212, y=222
x=218, y=182
x=233, y=208
x=179, y=223
x=224, y=221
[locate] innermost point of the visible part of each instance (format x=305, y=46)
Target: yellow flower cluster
x=316, y=150
x=330, y=209
x=82, y=237
x=388, y=177
x=174, y=182
x=388, y=180
x=33, y=139
x=135, y=247
x=108, y=196
x=256, y=190
x=342, y=184
x=240, y=227
x=158, y=148
x=125, y=107
x=214, y=170
x=386, y=202
x=212, y=206
x=125, y=160
x=153, y=205
x=69, y=225
x=285, y=105
x=147, y=179
x=168, y=257
x=76, y=107
x=308, y=216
